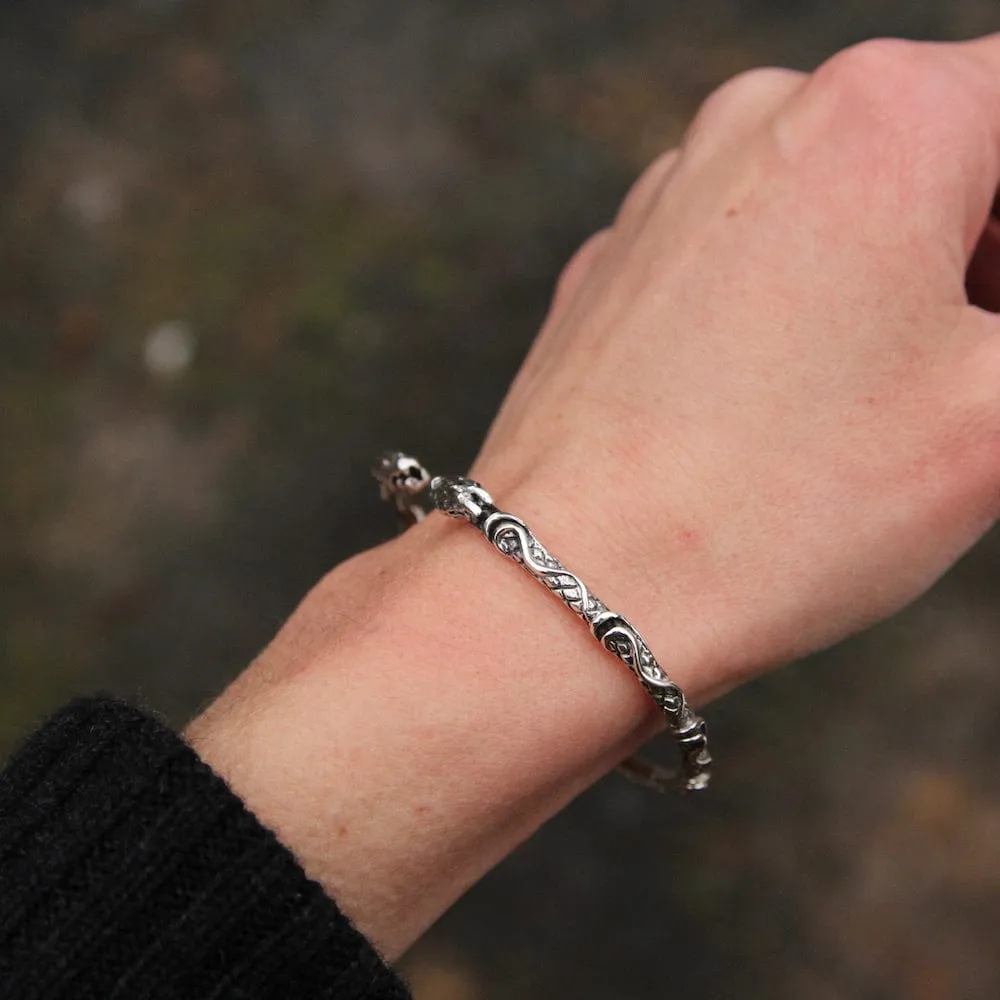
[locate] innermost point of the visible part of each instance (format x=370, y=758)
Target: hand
x=761, y=414
x=762, y=395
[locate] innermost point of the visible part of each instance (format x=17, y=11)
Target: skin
x=762, y=414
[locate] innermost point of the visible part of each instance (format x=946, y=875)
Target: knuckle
x=750, y=81
x=650, y=180
x=661, y=166
x=759, y=79
x=879, y=80
x=741, y=94
x=897, y=83
x=877, y=65
x=579, y=265
x=889, y=92
x=643, y=193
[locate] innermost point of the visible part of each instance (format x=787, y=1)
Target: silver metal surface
x=406, y=482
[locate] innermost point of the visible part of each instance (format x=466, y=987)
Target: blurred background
x=244, y=246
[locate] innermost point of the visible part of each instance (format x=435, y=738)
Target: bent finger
x=737, y=109
x=574, y=275
x=636, y=206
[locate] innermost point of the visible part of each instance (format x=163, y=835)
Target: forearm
x=777, y=402
x=427, y=708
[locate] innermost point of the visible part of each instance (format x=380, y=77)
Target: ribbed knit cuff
x=128, y=869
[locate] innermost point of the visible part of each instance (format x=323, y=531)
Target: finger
x=906, y=129
x=738, y=109
x=730, y=113
x=645, y=191
x=979, y=60
x=574, y=275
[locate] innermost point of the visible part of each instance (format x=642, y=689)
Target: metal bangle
x=404, y=481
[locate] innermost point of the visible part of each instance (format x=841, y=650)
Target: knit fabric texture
x=128, y=869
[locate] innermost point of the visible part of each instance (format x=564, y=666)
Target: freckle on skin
x=342, y=830
x=731, y=212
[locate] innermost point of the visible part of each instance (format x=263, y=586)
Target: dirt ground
x=245, y=246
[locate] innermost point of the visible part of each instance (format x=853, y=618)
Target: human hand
x=762, y=398
x=761, y=414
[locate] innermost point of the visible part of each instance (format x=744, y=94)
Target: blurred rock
x=169, y=349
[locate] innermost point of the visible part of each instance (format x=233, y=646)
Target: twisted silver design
x=404, y=480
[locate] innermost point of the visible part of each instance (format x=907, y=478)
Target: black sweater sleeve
x=128, y=869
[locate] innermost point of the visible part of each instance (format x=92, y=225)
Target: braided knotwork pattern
x=403, y=479
x=512, y=537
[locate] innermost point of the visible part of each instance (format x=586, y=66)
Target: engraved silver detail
x=402, y=479
x=459, y=497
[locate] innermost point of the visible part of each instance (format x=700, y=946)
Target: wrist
x=425, y=710
x=654, y=563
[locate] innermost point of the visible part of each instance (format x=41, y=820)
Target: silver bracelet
x=403, y=480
